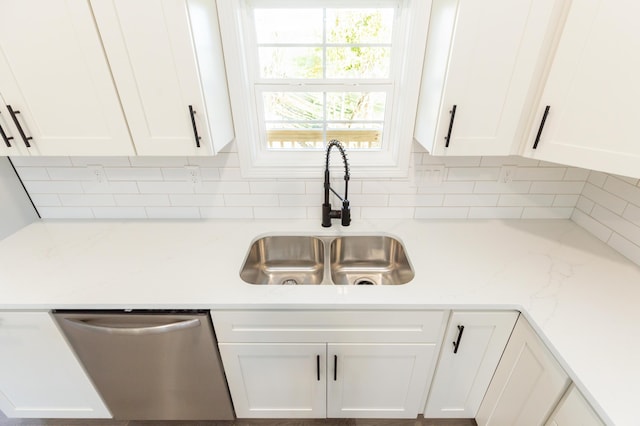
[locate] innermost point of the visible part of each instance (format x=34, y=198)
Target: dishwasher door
x=150, y=365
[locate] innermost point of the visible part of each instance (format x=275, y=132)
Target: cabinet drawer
x=329, y=326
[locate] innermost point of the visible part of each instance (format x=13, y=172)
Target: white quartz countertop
x=583, y=297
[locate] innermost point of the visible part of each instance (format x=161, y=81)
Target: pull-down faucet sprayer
x=345, y=213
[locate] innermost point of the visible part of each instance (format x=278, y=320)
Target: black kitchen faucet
x=345, y=213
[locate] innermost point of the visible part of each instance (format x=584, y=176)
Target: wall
x=609, y=208
x=159, y=187
x=17, y=210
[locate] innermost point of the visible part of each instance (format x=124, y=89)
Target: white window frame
x=409, y=42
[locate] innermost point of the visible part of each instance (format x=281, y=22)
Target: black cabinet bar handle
x=456, y=344
x=544, y=118
x=193, y=123
x=335, y=368
x=318, y=366
x=5, y=138
x=453, y=116
x=17, y=123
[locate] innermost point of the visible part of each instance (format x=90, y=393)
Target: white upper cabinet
x=482, y=64
x=58, y=94
x=166, y=59
x=592, y=91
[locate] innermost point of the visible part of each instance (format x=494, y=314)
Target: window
x=315, y=70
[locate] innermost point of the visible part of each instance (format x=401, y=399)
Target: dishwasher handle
x=136, y=331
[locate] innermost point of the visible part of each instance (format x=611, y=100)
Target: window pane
x=366, y=106
x=295, y=136
x=290, y=62
x=288, y=25
x=292, y=106
x=356, y=135
x=355, y=26
x=358, y=62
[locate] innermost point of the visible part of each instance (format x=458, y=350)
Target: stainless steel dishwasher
x=151, y=365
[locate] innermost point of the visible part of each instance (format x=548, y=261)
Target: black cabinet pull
x=335, y=368
x=544, y=118
x=453, y=116
x=318, y=367
x=192, y=112
x=14, y=116
x=5, y=138
x=456, y=344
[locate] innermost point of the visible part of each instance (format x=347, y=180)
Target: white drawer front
x=329, y=326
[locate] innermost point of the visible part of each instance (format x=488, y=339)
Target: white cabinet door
x=482, y=57
x=39, y=374
x=166, y=59
x=473, y=345
x=276, y=380
x=56, y=80
x=527, y=384
x=378, y=380
x=592, y=91
x=574, y=410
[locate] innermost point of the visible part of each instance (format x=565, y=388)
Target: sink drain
x=289, y=281
x=364, y=281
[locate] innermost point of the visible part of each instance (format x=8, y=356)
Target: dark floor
x=275, y=422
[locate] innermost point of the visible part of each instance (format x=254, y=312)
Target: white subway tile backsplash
x=539, y=173
x=599, y=230
x=173, y=212
x=166, y=187
x=495, y=212
x=415, y=200
x=470, y=200
x=223, y=187
x=556, y=187
x=280, y=212
x=277, y=187
x=87, y=200
x=627, y=248
x=547, y=212
x=249, y=200
x=196, y=199
x=226, y=212
x=442, y=212
x=622, y=189
x=65, y=212
x=604, y=198
x=52, y=187
x=118, y=187
x=119, y=212
x=473, y=173
x=565, y=200
x=70, y=173
x=502, y=188
x=142, y=200
x=34, y=173
x=608, y=206
x=133, y=173
x=513, y=200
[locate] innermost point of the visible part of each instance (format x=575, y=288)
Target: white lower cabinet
x=574, y=410
x=473, y=345
x=317, y=364
x=527, y=384
x=39, y=373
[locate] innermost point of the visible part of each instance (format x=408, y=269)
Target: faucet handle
x=345, y=214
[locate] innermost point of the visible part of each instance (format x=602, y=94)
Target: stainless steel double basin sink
x=342, y=260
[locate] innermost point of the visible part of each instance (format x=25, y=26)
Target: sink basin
x=353, y=259
x=284, y=259
x=369, y=260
